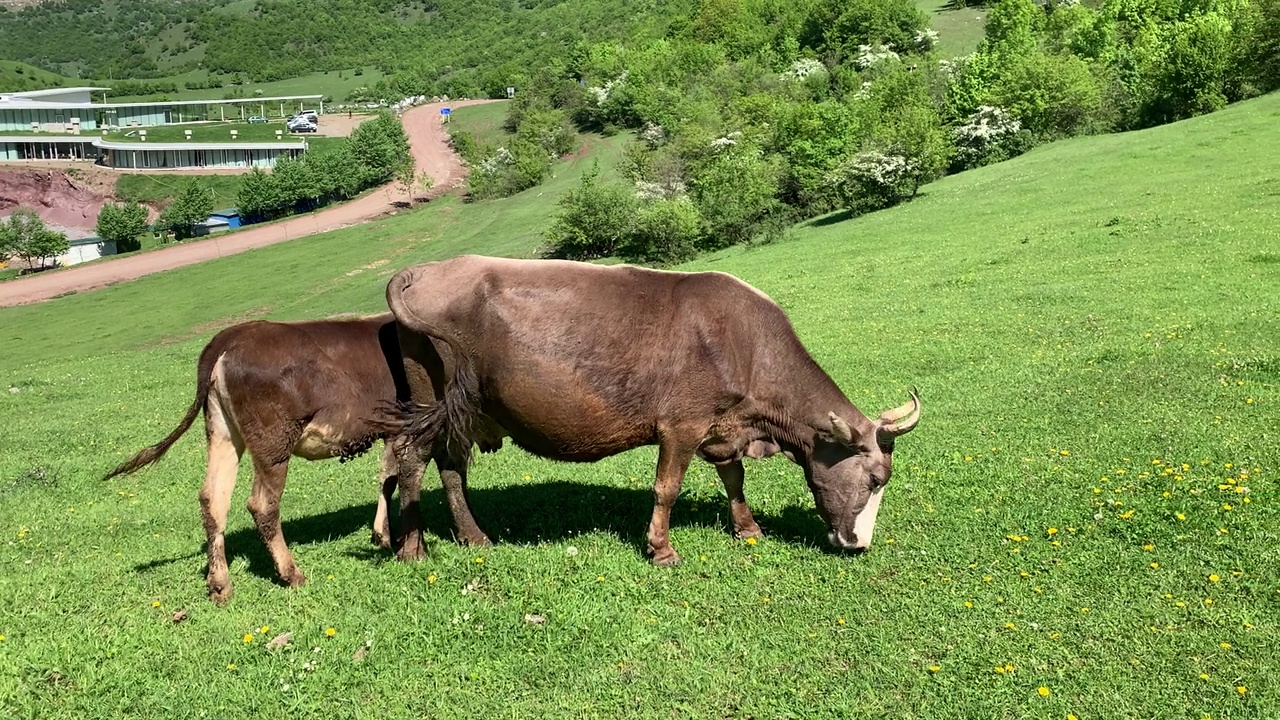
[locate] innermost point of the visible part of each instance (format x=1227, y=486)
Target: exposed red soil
x=57, y=198
x=431, y=151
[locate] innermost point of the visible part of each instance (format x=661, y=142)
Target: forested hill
x=276, y=39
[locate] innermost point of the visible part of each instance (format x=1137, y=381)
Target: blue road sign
x=445, y=111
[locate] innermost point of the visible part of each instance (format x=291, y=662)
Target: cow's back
x=579, y=361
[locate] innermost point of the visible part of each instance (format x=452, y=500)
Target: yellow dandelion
x=1208, y=601
x=751, y=541
x=1008, y=667
x=1149, y=547
x=264, y=629
x=330, y=632
x=1052, y=531
x=986, y=578
x=1000, y=669
x=1225, y=645
x=1, y=638
x=1179, y=604
x=1044, y=691
x=1072, y=717
x=1010, y=626
x=479, y=561
x=1055, y=635
x=248, y=638
x=766, y=600
x=968, y=604
x=1064, y=452
x=1084, y=610
x=155, y=603
x=840, y=621
x=1180, y=516
x=231, y=666
x=599, y=578
x=1155, y=566
x=1204, y=676
x=328, y=577
x=934, y=668
x=530, y=477
x=431, y=578
x=968, y=458
x=1242, y=689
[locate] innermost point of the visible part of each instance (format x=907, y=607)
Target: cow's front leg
x=453, y=476
x=410, y=467
x=744, y=523
x=673, y=461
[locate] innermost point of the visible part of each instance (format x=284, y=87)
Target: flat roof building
x=146, y=156
x=71, y=110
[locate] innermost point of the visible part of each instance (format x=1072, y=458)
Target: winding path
x=431, y=152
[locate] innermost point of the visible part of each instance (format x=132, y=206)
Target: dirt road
x=431, y=151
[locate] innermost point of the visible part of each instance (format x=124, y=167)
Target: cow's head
x=848, y=471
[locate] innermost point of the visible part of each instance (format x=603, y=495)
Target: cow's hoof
x=665, y=557
x=380, y=540
x=750, y=532
x=410, y=553
x=220, y=594
x=480, y=540
x=295, y=579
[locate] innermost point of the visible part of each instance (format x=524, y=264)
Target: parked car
x=256, y=119
x=302, y=126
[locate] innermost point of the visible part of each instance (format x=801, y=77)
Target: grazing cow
x=279, y=389
x=578, y=362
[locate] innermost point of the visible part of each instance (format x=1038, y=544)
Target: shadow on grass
x=520, y=515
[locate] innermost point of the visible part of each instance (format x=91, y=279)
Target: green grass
x=328, y=84
x=210, y=132
x=484, y=122
x=162, y=188
x=1092, y=328
x=960, y=29
x=16, y=76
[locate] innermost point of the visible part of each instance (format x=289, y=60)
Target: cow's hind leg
x=409, y=483
x=388, y=476
x=453, y=476
x=674, y=454
x=264, y=505
x=225, y=450
x=744, y=523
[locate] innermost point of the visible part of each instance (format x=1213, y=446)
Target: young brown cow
x=279, y=389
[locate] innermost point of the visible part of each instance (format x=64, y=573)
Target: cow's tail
x=456, y=416
x=204, y=374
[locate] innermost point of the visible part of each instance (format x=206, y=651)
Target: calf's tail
x=204, y=374
x=455, y=417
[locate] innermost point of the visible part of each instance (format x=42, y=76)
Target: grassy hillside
x=16, y=76
x=1084, y=523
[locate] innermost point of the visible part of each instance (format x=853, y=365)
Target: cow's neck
x=796, y=406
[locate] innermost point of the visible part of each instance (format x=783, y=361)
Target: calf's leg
x=744, y=523
x=388, y=476
x=225, y=449
x=264, y=506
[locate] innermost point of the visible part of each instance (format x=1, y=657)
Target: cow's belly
x=566, y=422
x=320, y=440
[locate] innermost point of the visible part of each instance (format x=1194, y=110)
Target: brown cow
x=279, y=389
x=578, y=362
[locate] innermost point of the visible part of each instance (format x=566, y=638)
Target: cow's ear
x=840, y=430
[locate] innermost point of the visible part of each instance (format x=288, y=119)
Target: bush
x=735, y=192
x=664, y=231
x=594, y=221
x=192, y=206
x=1052, y=95
x=1186, y=75
x=873, y=179
x=990, y=135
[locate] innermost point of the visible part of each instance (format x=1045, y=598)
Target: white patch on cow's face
x=865, y=525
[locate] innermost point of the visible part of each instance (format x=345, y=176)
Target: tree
x=258, y=197
x=192, y=206
x=426, y=182
x=381, y=149
x=24, y=235
x=405, y=175
x=122, y=224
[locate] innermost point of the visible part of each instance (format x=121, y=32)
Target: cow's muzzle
x=849, y=545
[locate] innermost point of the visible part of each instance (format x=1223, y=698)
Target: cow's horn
x=902, y=419
x=840, y=429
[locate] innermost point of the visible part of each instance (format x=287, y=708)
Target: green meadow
x=1083, y=525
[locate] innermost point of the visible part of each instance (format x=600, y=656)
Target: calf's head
x=849, y=468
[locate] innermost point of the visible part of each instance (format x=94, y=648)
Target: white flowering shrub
x=661, y=190
x=926, y=39
x=869, y=55
x=601, y=93
x=875, y=179
x=803, y=68
x=652, y=134
x=989, y=135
